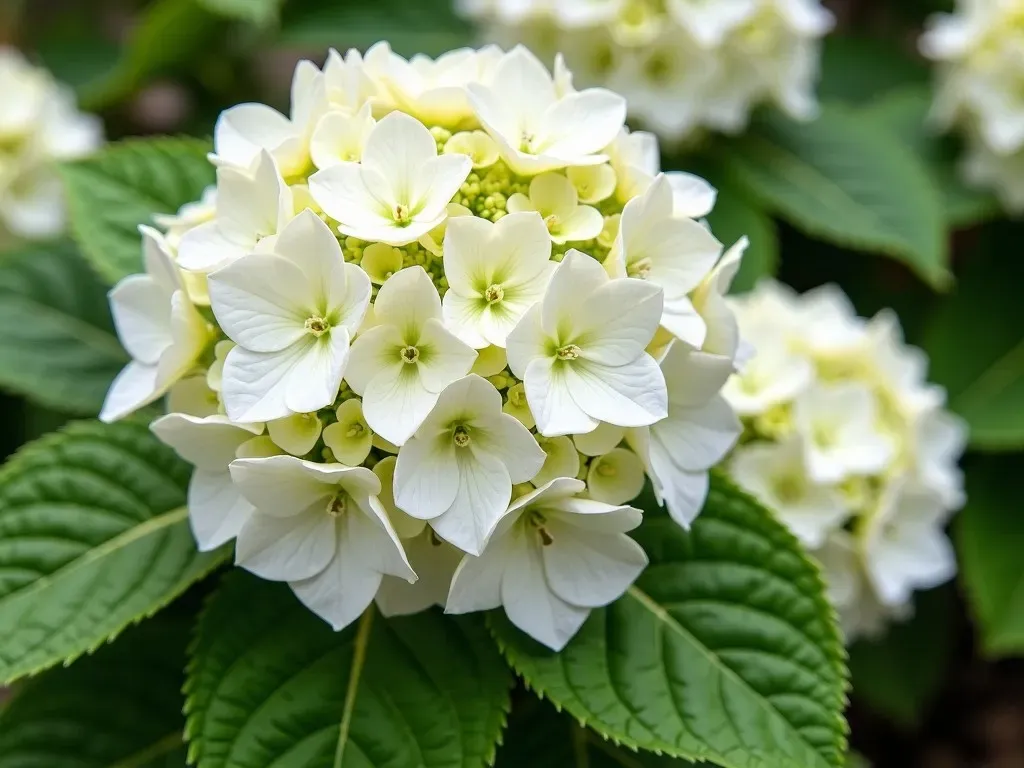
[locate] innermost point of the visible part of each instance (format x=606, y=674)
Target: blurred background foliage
x=865, y=196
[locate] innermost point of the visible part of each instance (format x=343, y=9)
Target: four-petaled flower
x=321, y=528
x=457, y=471
x=495, y=273
x=580, y=351
x=400, y=365
x=399, y=191
x=291, y=311
x=550, y=560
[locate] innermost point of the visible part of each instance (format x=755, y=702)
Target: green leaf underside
x=989, y=534
x=123, y=186
x=51, y=301
x=725, y=649
x=93, y=537
x=978, y=360
x=271, y=686
x=120, y=708
x=904, y=113
x=846, y=180
x=899, y=674
x=540, y=737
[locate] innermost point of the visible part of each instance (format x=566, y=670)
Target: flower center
x=607, y=469
x=639, y=269
x=526, y=142
x=318, y=326
x=536, y=520
x=355, y=430
x=401, y=214
x=788, y=488
x=494, y=294
x=337, y=505
x=461, y=436
x=517, y=396
x=410, y=354
x=824, y=435
x=568, y=352
x=552, y=221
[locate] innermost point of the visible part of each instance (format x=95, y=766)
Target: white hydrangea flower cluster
x=981, y=90
x=39, y=126
x=429, y=334
x=847, y=441
x=684, y=65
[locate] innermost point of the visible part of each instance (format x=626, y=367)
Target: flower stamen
x=494, y=294
x=318, y=326
x=568, y=352
x=409, y=354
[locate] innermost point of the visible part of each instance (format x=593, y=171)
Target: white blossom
x=321, y=528
x=672, y=253
x=40, y=126
x=495, y=273
x=252, y=203
x=457, y=471
x=536, y=129
x=399, y=190
x=551, y=558
x=216, y=508
x=580, y=351
x=400, y=365
x=291, y=311
x=243, y=132
x=555, y=198
x=158, y=325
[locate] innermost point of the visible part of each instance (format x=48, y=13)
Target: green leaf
x=899, y=674
x=975, y=344
x=93, y=537
x=735, y=216
x=844, y=179
x=120, y=707
x=121, y=187
x=270, y=684
x=904, y=113
x=426, y=26
x=538, y=736
x=57, y=345
x=725, y=649
x=258, y=12
x=168, y=33
x=989, y=534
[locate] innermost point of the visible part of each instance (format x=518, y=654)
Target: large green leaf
x=270, y=684
x=860, y=70
x=57, y=345
x=989, y=534
x=899, y=674
x=904, y=113
x=975, y=341
x=92, y=538
x=844, y=179
x=166, y=35
x=426, y=26
x=121, y=187
x=118, y=708
x=725, y=649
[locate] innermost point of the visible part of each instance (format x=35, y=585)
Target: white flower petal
x=207, y=443
x=583, y=123
x=631, y=395
x=600, y=441
x=552, y=403
x=476, y=583
x=530, y=604
x=443, y=357
x=216, y=509
x=483, y=493
x=526, y=341
x=242, y=131
x=286, y=548
x=204, y=248
x=692, y=196
x=373, y=350
x=395, y=403
x=681, y=319
x=618, y=321
x=426, y=477
x=589, y=568
x=435, y=562
x=511, y=442
x=141, y=309
x=134, y=387
x=407, y=300
x=697, y=438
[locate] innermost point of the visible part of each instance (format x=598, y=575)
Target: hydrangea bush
x=848, y=443
x=430, y=358
x=685, y=66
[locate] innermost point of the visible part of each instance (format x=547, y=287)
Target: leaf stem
x=358, y=660
x=580, y=749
